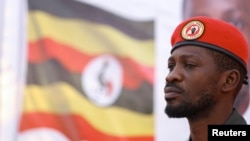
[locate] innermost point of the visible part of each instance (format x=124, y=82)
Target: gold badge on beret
x=192, y=30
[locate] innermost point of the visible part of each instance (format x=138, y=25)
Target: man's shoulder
x=235, y=119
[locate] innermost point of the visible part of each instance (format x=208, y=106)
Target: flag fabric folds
x=90, y=73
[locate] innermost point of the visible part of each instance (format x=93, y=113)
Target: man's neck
x=199, y=125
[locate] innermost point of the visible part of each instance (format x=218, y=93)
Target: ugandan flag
x=90, y=73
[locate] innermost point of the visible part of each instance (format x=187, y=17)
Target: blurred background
x=86, y=70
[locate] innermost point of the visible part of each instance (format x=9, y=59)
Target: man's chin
x=174, y=112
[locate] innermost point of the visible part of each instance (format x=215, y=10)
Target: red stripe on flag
x=75, y=61
x=83, y=129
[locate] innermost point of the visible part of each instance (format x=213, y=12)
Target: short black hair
x=224, y=62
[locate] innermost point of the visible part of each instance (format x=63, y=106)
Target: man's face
x=191, y=85
x=233, y=11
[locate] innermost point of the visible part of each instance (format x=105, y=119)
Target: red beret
x=213, y=34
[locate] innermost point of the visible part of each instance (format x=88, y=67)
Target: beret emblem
x=192, y=30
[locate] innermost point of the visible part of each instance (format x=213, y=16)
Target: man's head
x=204, y=66
x=235, y=12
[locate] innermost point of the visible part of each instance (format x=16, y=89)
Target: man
x=207, y=68
x=233, y=11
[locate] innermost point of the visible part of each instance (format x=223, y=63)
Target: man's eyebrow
x=170, y=58
x=184, y=56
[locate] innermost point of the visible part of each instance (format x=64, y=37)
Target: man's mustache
x=174, y=85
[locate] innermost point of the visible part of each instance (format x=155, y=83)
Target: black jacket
x=235, y=119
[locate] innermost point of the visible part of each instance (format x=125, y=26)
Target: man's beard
x=188, y=109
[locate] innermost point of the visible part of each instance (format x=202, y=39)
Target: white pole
x=12, y=65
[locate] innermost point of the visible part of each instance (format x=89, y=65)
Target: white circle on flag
x=102, y=80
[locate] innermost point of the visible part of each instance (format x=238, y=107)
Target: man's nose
x=174, y=75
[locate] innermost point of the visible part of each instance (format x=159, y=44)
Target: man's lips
x=171, y=92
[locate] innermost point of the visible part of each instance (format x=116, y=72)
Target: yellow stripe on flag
x=89, y=37
x=62, y=98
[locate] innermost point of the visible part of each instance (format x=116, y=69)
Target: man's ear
x=230, y=80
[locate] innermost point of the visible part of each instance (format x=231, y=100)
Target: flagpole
x=12, y=65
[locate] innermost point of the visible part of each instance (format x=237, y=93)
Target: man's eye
x=189, y=65
x=170, y=67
